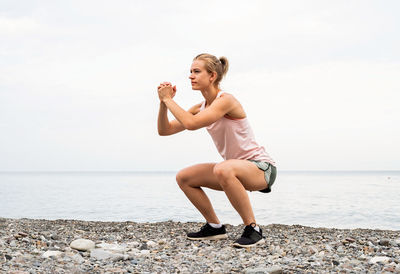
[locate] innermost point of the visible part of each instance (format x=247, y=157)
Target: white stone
x=144, y=252
x=134, y=244
x=354, y=262
x=379, y=259
x=117, y=257
x=151, y=244
x=51, y=253
x=134, y=250
x=363, y=257
x=272, y=258
x=132, y=254
x=262, y=270
x=35, y=251
x=78, y=258
x=113, y=247
x=82, y=244
x=100, y=254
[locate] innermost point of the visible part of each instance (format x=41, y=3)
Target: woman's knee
x=182, y=178
x=223, y=171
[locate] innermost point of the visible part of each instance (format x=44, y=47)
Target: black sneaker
x=250, y=237
x=207, y=232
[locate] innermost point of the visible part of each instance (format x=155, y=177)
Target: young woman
x=246, y=165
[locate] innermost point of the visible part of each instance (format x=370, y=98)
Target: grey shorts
x=269, y=173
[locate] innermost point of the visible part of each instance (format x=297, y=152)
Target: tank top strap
x=203, y=104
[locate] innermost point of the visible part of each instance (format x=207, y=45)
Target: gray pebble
x=291, y=249
x=384, y=242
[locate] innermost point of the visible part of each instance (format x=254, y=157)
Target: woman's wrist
x=165, y=100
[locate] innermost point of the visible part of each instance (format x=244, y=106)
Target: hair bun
x=225, y=66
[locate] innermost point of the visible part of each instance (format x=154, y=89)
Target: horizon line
x=174, y=171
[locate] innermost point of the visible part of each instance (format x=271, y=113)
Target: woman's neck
x=210, y=94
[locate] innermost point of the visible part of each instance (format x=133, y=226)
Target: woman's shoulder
x=224, y=94
x=228, y=96
x=237, y=111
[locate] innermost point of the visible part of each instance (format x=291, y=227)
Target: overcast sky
x=319, y=80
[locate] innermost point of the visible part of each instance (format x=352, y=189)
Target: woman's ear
x=213, y=76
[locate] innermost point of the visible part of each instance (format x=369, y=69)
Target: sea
x=332, y=199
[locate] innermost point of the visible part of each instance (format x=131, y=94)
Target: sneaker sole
x=244, y=246
x=215, y=237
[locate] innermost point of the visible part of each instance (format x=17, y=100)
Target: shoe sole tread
x=214, y=237
x=261, y=241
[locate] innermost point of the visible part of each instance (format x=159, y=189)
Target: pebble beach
x=72, y=246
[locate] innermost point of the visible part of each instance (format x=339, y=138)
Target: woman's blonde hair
x=214, y=64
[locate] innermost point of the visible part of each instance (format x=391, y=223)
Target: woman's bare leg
x=191, y=179
x=235, y=177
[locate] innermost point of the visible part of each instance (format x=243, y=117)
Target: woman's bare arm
x=204, y=118
x=166, y=127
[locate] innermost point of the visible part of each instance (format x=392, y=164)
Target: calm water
x=329, y=199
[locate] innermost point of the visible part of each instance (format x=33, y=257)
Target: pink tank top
x=235, y=139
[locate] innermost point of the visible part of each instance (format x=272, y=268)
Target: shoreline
x=44, y=246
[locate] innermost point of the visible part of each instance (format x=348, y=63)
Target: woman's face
x=199, y=76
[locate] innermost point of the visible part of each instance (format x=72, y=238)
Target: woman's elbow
x=162, y=132
x=191, y=126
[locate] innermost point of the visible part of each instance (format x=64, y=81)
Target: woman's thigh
x=250, y=176
x=200, y=175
